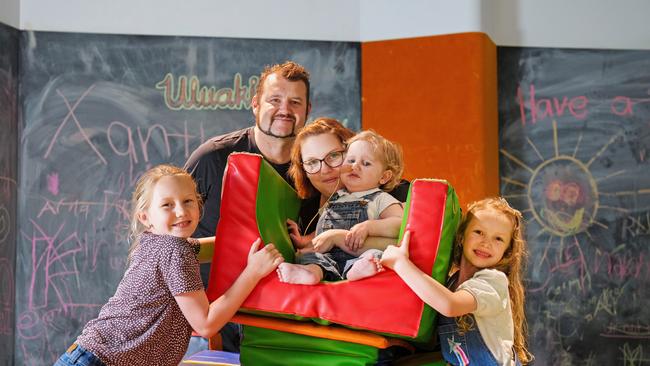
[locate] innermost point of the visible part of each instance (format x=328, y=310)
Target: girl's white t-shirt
x=493, y=313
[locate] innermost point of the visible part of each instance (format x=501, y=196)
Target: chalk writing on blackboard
x=98, y=110
x=533, y=109
x=563, y=198
x=574, y=141
x=71, y=116
x=184, y=94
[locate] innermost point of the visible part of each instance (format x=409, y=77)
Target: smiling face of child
x=173, y=209
x=486, y=238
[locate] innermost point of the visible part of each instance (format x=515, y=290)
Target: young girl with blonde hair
x=161, y=298
x=481, y=311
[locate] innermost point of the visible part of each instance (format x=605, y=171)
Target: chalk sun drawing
x=564, y=198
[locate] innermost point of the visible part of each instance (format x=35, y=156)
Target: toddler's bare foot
x=298, y=274
x=366, y=266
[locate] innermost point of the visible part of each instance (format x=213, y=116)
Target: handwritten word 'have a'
x=543, y=108
x=189, y=94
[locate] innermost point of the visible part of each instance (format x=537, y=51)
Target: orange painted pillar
x=437, y=97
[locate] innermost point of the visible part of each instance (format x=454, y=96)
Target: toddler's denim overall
x=339, y=215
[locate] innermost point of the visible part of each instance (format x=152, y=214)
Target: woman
x=316, y=159
x=323, y=143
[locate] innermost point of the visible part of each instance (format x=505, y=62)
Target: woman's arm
x=205, y=318
x=444, y=301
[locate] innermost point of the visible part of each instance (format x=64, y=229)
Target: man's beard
x=268, y=132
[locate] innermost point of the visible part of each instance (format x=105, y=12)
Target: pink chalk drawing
x=40, y=336
x=71, y=115
x=53, y=183
x=52, y=260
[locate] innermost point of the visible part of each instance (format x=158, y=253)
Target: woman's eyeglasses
x=333, y=160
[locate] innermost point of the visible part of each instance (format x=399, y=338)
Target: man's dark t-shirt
x=207, y=164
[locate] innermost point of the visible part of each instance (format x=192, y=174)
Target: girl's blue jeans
x=77, y=355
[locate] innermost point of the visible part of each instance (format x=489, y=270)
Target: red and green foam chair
x=256, y=202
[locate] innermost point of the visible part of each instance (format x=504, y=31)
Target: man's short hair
x=288, y=70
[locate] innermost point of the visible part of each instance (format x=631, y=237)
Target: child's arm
x=444, y=301
x=387, y=225
x=371, y=242
x=325, y=241
x=205, y=318
x=336, y=238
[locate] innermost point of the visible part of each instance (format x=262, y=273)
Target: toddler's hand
x=325, y=241
x=356, y=236
x=393, y=254
x=264, y=261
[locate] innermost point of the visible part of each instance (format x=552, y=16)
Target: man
x=280, y=106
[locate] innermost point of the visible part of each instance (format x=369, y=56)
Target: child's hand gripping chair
x=350, y=321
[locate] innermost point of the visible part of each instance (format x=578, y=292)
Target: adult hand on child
x=263, y=261
x=357, y=235
x=393, y=254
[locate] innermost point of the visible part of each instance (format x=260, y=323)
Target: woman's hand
x=264, y=261
x=392, y=255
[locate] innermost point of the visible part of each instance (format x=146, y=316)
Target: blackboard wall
x=8, y=187
x=98, y=111
x=575, y=146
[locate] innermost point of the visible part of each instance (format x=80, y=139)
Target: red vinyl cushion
x=382, y=303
